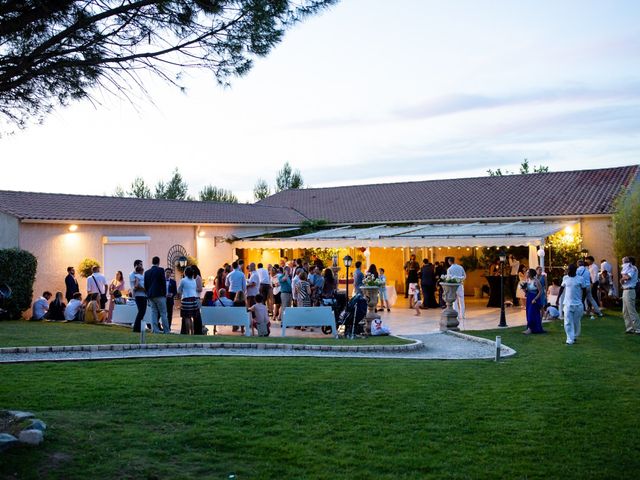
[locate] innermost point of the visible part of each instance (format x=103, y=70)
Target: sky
x=368, y=92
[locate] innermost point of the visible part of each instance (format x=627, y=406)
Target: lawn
x=30, y=334
x=552, y=411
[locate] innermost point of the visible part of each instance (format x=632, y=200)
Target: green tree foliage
x=288, y=178
x=56, y=51
x=626, y=223
x=215, y=194
x=524, y=169
x=85, y=269
x=261, y=190
x=18, y=271
x=565, y=248
x=175, y=189
x=138, y=189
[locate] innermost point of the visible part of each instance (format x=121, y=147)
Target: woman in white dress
x=522, y=293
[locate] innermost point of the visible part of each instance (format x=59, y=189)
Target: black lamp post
x=503, y=258
x=347, y=263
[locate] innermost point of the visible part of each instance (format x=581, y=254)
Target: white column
x=533, y=256
x=367, y=256
x=541, y=255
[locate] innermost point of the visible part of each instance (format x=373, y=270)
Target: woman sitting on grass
x=56, y=308
x=92, y=312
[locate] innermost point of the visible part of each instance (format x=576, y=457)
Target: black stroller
x=337, y=303
x=350, y=319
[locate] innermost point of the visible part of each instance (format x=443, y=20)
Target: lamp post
x=182, y=262
x=503, y=258
x=347, y=263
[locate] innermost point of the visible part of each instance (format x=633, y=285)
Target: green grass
x=551, y=412
x=30, y=334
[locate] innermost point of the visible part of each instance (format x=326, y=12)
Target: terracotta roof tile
x=63, y=207
x=570, y=193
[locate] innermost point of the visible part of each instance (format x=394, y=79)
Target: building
x=381, y=224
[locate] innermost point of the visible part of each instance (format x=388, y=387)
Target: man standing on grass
x=583, y=271
x=629, y=280
x=97, y=283
x=71, y=284
x=156, y=287
x=172, y=291
x=572, y=285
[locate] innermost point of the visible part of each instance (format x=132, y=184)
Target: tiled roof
x=63, y=207
x=540, y=195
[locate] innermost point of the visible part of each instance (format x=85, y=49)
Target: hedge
x=18, y=270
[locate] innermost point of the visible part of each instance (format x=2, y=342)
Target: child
x=378, y=328
x=551, y=312
x=260, y=317
x=384, y=300
x=415, y=301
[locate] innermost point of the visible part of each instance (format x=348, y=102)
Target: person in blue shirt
x=358, y=279
x=236, y=281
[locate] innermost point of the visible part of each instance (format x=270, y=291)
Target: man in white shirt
x=41, y=306
x=253, y=285
x=456, y=270
x=97, y=283
x=572, y=285
x=629, y=280
x=74, y=306
x=585, y=274
x=265, y=283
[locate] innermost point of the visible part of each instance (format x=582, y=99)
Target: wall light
x=201, y=233
x=73, y=228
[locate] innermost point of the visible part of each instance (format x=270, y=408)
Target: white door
x=120, y=256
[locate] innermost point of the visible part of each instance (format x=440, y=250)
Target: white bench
x=235, y=316
x=126, y=314
x=309, y=317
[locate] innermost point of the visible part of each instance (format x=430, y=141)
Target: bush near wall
x=18, y=270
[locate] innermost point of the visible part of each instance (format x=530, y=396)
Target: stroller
x=350, y=319
x=337, y=303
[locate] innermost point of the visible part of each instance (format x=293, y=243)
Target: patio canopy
x=479, y=234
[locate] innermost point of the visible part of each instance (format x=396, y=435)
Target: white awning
x=479, y=234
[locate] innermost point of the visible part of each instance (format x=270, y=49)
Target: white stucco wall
x=597, y=237
x=9, y=231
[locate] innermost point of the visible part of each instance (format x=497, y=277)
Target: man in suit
x=172, y=291
x=156, y=287
x=428, y=283
x=71, y=283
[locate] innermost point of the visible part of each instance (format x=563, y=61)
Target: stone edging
x=504, y=350
x=410, y=347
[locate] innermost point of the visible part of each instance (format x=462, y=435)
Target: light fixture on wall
x=201, y=233
x=182, y=262
x=73, y=228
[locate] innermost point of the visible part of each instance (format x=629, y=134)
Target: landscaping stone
x=37, y=425
x=18, y=415
x=31, y=437
x=7, y=441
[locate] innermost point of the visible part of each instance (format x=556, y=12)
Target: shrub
x=86, y=267
x=18, y=270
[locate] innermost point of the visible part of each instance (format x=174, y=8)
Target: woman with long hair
x=116, y=284
x=373, y=270
x=533, y=290
x=189, y=303
x=218, y=283
x=56, y=308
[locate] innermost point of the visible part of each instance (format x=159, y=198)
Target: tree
x=55, y=51
x=288, y=178
x=261, y=190
x=524, y=169
x=626, y=223
x=175, y=189
x=215, y=194
x=139, y=189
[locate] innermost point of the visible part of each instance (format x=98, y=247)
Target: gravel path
x=437, y=346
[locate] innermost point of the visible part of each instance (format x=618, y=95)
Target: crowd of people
x=268, y=290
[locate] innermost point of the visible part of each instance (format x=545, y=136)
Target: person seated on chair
x=223, y=300
x=207, y=301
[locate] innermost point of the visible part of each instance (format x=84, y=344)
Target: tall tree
x=139, y=189
x=626, y=223
x=261, y=190
x=55, y=51
x=288, y=178
x=175, y=189
x=524, y=169
x=215, y=194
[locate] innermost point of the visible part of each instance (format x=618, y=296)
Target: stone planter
x=371, y=293
x=449, y=317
